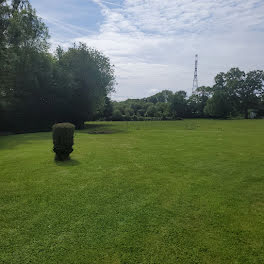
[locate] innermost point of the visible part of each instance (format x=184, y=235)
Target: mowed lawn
x=136, y=192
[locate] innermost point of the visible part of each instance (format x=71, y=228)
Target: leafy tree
x=218, y=106
x=249, y=93
x=90, y=77
x=241, y=90
x=25, y=63
x=178, y=104
x=163, y=110
x=151, y=111
x=25, y=29
x=37, y=88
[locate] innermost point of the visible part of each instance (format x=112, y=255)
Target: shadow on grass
x=96, y=126
x=15, y=140
x=67, y=163
x=101, y=129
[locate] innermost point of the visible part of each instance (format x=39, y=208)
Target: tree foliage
x=90, y=77
x=37, y=88
x=242, y=91
x=218, y=106
x=234, y=93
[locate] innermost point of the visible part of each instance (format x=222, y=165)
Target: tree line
x=234, y=94
x=37, y=88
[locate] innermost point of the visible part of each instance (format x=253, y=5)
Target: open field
x=136, y=192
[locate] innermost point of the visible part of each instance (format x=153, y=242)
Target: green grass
x=136, y=192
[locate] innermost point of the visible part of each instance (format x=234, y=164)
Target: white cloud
x=153, y=42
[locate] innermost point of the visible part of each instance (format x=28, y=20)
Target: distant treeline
x=234, y=94
x=38, y=89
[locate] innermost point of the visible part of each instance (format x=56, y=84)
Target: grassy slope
x=151, y=192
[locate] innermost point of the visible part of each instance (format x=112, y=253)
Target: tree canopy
x=37, y=88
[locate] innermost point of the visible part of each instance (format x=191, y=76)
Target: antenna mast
x=195, y=78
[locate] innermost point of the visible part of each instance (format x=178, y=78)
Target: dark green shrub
x=63, y=140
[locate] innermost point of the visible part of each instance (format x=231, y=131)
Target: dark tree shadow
x=14, y=140
x=101, y=129
x=96, y=126
x=67, y=163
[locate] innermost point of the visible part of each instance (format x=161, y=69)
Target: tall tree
x=218, y=106
x=25, y=54
x=37, y=88
x=241, y=90
x=249, y=93
x=91, y=78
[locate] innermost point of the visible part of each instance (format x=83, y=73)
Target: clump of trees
x=233, y=94
x=164, y=105
x=38, y=89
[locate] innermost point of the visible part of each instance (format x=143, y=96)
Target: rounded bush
x=63, y=140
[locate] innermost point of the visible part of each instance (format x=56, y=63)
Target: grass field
x=136, y=192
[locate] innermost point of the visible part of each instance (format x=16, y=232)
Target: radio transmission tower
x=195, y=78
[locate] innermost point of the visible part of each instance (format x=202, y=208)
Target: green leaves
x=90, y=77
x=241, y=90
x=37, y=88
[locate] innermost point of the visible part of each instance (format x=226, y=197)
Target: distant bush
x=63, y=140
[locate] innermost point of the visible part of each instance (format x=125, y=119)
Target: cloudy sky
x=153, y=42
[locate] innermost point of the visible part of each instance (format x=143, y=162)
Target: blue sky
x=153, y=42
